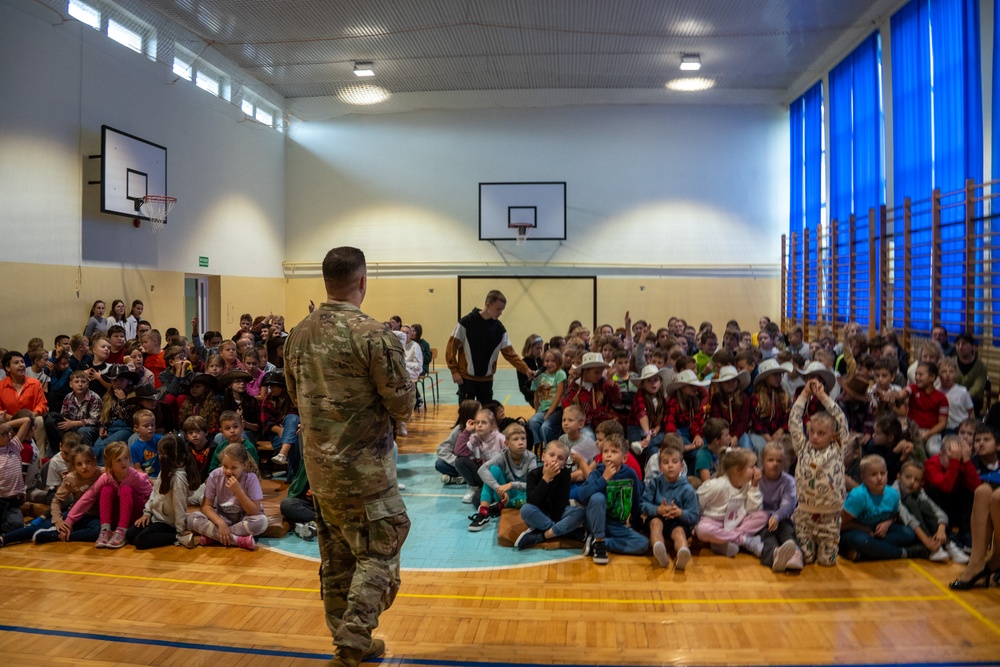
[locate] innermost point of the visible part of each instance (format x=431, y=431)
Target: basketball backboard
x=131, y=168
x=504, y=208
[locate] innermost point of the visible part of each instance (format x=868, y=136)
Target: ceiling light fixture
x=691, y=62
x=691, y=84
x=364, y=68
x=363, y=94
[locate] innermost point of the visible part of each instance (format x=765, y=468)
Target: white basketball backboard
x=131, y=168
x=503, y=207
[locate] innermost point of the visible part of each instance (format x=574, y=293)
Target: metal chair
x=432, y=375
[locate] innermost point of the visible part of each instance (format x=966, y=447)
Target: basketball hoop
x=522, y=231
x=156, y=207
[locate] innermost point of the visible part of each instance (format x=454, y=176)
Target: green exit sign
x=203, y=262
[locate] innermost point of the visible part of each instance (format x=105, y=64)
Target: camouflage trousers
x=359, y=544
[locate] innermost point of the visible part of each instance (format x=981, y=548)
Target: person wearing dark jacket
x=547, y=510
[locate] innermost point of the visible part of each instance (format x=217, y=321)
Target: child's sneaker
x=246, y=542
x=470, y=496
x=636, y=448
x=496, y=508
x=117, y=539
x=660, y=553
x=600, y=552
x=529, y=538
x=796, y=562
x=754, y=545
x=588, y=544
x=307, y=531
x=43, y=535
x=478, y=521
x=401, y=429
x=401, y=486
x=102, y=538
x=939, y=556
x=279, y=459
x=955, y=553
x=727, y=549
x=683, y=557
x=782, y=555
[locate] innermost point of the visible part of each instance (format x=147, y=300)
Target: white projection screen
x=535, y=305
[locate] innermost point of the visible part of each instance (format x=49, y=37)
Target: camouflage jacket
x=346, y=373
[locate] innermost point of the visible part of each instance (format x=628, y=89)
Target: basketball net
x=522, y=233
x=156, y=208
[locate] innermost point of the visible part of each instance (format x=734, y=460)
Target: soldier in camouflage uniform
x=346, y=374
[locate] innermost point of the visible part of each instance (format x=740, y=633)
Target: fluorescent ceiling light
x=364, y=69
x=691, y=84
x=363, y=94
x=690, y=62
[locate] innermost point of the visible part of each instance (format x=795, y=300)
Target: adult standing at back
x=345, y=374
x=475, y=344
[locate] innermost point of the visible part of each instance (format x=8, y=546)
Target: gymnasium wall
x=434, y=302
x=60, y=82
x=648, y=187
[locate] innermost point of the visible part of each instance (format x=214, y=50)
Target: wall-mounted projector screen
x=131, y=168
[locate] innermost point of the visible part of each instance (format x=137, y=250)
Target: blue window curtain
x=793, y=293
x=912, y=157
x=856, y=172
x=958, y=139
x=813, y=188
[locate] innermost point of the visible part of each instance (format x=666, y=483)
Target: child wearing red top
x=928, y=406
x=950, y=478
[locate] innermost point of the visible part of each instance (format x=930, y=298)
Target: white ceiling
x=510, y=53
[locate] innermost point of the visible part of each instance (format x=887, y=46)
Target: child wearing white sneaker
x=232, y=512
x=927, y=520
x=670, y=505
x=476, y=444
x=504, y=477
x=122, y=487
x=445, y=462
x=777, y=488
x=731, y=506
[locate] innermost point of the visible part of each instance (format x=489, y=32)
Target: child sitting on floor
x=11, y=479
x=445, y=462
x=145, y=449
x=671, y=506
x=869, y=527
x=122, y=486
x=504, y=477
x=950, y=479
x=731, y=506
x=927, y=520
x=612, y=494
x=231, y=428
x=232, y=512
x=297, y=508
x=547, y=509
x=164, y=519
x=716, y=439
x=476, y=444
x=777, y=489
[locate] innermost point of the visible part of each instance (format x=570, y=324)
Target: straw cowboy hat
x=816, y=370
x=727, y=373
x=592, y=360
x=686, y=378
x=648, y=371
x=770, y=367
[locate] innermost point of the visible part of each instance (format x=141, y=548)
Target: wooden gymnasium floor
x=74, y=605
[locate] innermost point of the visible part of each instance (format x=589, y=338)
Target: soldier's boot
x=352, y=657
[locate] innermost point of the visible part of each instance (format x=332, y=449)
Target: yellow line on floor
x=951, y=595
x=501, y=598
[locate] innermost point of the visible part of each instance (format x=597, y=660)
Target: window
x=116, y=23
x=182, y=69
x=124, y=36
x=85, y=13
x=190, y=67
x=259, y=111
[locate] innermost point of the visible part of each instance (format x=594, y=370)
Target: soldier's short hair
x=341, y=267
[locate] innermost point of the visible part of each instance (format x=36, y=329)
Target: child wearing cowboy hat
x=816, y=370
x=730, y=403
x=202, y=402
x=593, y=392
x=236, y=398
x=769, y=405
x=647, y=418
x=686, y=402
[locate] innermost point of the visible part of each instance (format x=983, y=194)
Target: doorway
x=196, y=301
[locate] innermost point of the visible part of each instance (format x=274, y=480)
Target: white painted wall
x=647, y=185
x=59, y=82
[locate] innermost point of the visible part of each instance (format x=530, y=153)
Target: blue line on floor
x=394, y=660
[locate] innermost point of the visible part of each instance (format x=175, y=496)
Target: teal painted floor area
x=439, y=538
